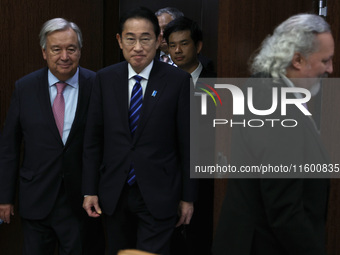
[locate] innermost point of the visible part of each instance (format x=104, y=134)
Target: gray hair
x=58, y=24
x=173, y=12
x=296, y=34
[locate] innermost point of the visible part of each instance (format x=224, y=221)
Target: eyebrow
x=133, y=34
x=58, y=46
x=182, y=41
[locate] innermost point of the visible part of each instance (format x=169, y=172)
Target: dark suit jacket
x=46, y=161
x=274, y=216
x=206, y=73
x=196, y=238
x=208, y=65
x=159, y=149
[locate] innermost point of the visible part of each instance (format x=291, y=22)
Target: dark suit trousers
x=196, y=238
x=74, y=235
x=60, y=226
x=132, y=225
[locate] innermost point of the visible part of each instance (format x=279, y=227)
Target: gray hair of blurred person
x=296, y=34
x=58, y=24
x=173, y=12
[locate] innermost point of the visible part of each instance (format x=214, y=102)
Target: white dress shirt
x=196, y=73
x=144, y=74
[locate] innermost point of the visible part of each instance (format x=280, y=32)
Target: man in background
x=284, y=214
x=48, y=113
x=185, y=41
x=164, y=16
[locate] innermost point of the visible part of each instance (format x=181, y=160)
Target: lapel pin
x=154, y=93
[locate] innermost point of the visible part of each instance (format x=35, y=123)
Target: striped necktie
x=134, y=113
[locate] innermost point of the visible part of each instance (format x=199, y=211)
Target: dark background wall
x=233, y=30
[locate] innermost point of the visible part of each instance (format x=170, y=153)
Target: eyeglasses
x=131, y=41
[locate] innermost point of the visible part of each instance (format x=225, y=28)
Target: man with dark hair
x=185, y=41
x=48, y=115
x=136, y=152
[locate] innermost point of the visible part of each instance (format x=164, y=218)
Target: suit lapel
x=120, y=85
x=310, y=124
x=82, y=104
x=45, y=103
x=152, y=94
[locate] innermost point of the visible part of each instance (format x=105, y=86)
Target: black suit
x=49, y=169
x=196, y=238
x=159, y=149
x=208, y=66
x=274, y=216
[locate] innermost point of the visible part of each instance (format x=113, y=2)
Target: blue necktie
x=134, y=112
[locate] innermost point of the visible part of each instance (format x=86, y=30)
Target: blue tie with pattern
x=134, y=112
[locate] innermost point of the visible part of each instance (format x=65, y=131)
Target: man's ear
x=119, y=39
x=43, y=53
x=297, y=60
x=199, y=46
x=159, y=40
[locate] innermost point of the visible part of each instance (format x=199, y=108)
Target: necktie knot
x=60, y=87
x=138, y=78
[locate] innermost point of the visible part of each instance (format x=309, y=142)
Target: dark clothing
x=196, y=238
x=274, y=216
x=159, y=148
x=49, y=167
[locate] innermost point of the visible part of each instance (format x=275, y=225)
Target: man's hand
x=185, y=211
x=6, y=210
x=91, y=206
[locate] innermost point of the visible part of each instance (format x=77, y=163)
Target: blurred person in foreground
x=286, y=213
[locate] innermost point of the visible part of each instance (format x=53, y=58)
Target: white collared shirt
x=196, y=74
x=144, y=82
x=70, y=94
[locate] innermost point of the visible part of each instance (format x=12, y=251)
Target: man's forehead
x=164, y=19
x=181, y=35
x=324, y=43
x=134, y=25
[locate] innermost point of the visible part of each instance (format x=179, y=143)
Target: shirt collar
x=144, y=74
x=289, y=83
x=195, y=74
x=73, y=81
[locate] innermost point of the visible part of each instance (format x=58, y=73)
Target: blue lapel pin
x=154, y=93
